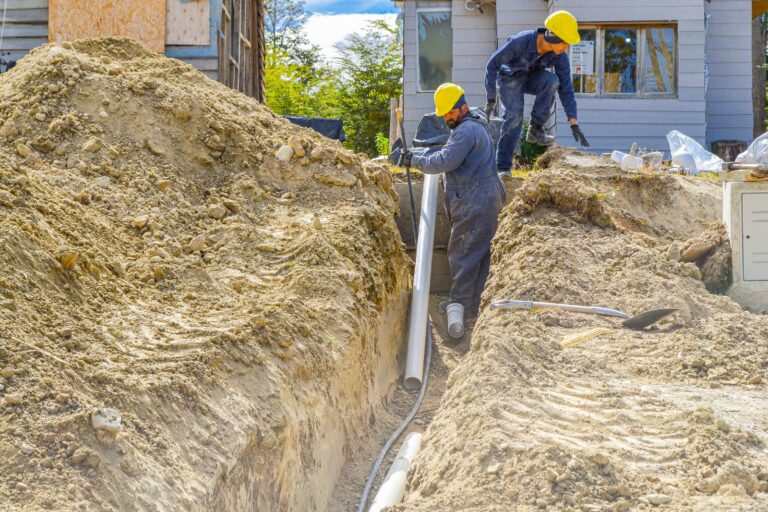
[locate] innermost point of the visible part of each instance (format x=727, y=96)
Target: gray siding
x=26, y=27
x=415, y=104
x=729, y=89
x=474, y=40
x=618, y=123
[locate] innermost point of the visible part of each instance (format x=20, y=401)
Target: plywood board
x=188, y=22
x=140, y=20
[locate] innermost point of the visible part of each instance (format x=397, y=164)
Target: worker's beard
x=452, y=124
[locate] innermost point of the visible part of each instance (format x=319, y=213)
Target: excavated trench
x=235, y=290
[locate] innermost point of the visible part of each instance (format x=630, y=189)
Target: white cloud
x=326, y=30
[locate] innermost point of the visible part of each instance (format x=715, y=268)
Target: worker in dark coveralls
x=519, y=68
x=474, y=194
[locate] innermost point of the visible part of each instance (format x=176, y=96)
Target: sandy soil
x=232, y=285
x=560, y=411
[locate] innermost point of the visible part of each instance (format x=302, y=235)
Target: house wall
x=729, y=58
x=26, y=27
x=474, y=39
x=617, y=123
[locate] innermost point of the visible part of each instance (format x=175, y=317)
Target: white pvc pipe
x=414, y=363
x=392, y=489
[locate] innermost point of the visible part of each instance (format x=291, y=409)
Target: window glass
x=620, y=60
x=435, y=49
x=583, y=62
x=659, y=60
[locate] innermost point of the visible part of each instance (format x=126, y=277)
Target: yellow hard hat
x=564, y=25
x=446, y=97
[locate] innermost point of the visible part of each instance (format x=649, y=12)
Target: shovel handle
x=529, y=304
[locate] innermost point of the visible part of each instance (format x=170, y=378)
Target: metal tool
x=637, y=322
x=758, y=170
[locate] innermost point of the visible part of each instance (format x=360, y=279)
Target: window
x=630, y=61
x=435, y=48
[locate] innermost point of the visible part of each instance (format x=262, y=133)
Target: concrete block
x=745, y=214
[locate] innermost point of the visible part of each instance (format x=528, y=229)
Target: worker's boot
x=536, y=135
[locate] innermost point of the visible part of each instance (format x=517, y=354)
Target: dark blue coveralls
x=474, y=197
x=518, y=69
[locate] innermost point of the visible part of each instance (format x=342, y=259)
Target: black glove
x=579, y=136
x=489, y=107
x=405, y=158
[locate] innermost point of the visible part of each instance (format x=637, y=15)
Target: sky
x=332, y=20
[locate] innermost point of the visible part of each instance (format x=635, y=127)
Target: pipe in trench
x=414, y=363
x=393, y=487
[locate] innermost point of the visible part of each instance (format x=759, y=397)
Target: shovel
x=637, y=322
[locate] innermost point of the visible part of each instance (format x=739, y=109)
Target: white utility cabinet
x=754, y=212
x=745, y=214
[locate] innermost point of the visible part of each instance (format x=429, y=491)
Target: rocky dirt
x=200, y=303
x=559, y=411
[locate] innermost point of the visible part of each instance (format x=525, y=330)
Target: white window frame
x=419, y=10
x=640, y=27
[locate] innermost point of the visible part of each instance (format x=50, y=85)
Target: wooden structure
x=222, y=38
x=140, y=20
x=241, y=46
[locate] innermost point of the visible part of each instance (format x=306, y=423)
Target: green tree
x=370, y=70
x=284, y=22
x=290, y=90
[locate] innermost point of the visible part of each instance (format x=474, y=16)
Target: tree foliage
x=356, y=88
x=370, y=68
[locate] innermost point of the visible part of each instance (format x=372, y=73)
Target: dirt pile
x=559, y=411
x=223, y=280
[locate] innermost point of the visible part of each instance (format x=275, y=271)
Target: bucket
x=455, y=312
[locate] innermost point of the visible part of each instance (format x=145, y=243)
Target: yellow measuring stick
x=577, y=339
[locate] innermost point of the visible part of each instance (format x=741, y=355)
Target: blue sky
x=350, y=6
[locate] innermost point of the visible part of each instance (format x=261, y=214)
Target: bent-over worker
x=474, y=194
x=520, y=67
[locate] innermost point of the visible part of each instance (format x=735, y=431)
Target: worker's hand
x=489, y=107
x=579, y=136
x=405, y=158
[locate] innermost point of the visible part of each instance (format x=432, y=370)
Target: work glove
x=405, y=158
x=579, y=136
x=489, y=107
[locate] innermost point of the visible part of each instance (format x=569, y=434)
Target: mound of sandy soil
x=225, y=281
x=559, y=411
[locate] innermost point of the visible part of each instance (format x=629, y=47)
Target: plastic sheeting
x=756, y=153
x=331, y=128
x=691, y=156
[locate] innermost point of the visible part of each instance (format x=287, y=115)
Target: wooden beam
x=759, y=7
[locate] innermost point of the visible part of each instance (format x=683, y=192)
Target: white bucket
x=455, y=312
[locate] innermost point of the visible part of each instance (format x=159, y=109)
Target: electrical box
x=754, y=214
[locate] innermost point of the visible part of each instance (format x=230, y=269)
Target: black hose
x=427, y=356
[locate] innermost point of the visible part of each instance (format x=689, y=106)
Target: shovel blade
x=648, y=318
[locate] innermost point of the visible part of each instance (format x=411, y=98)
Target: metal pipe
x=393, y=487
x=414, y=363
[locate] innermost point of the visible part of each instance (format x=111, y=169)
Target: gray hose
x=400, y=428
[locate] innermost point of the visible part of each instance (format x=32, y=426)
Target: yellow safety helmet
x=564, y=25
x=446, y=97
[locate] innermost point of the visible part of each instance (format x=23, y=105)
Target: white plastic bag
x=688, y=154
x=756, y=153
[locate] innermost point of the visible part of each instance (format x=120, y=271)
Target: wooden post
x=758, y=75
x=394, y=126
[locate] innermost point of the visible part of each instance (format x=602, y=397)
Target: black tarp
x=331, y=128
